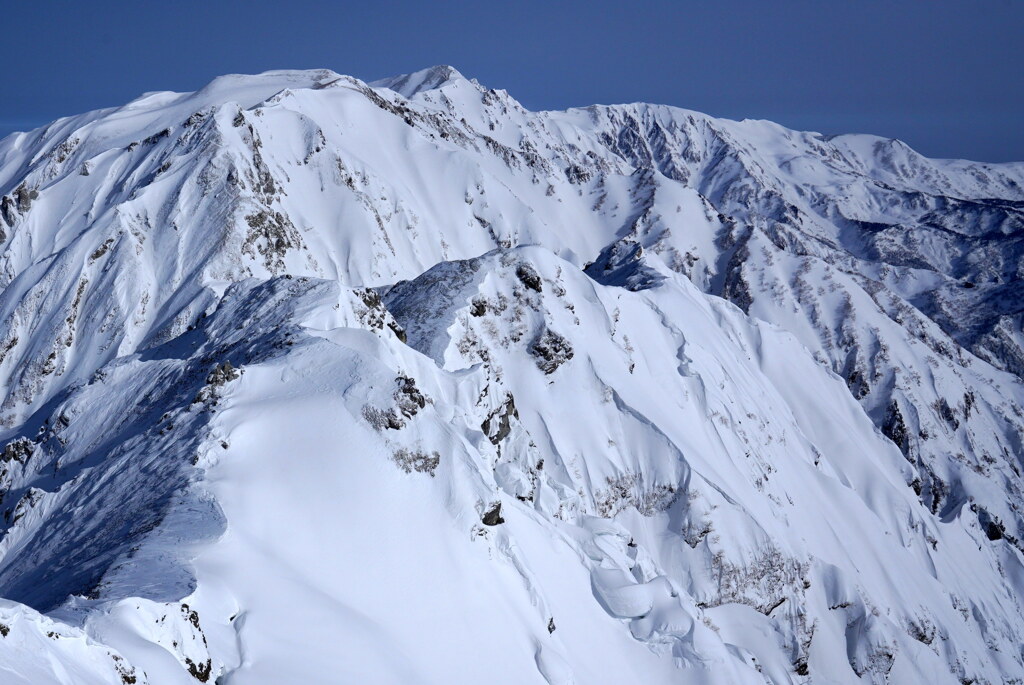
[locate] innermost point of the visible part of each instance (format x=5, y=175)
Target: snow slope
x=309, y=380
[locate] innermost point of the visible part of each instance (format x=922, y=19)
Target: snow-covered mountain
x=304, y=379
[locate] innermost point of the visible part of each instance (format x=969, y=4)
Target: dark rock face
x=408, y=397
x=408, y=402
x=18, y=204
x=895, y=429
x=7, y=211
x=551, y=350
x=529, y=277
x=222, y=374
x=478, y=307
x=199, y=671
x=498, y=424
x=24, y=197
x=19, y=450
x=417, y=460
x=493, y=515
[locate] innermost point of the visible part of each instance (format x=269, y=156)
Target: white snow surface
x=309, y=380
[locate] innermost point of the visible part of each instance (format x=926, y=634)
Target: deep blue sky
x=947, y=76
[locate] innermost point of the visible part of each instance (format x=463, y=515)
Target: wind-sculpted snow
x=309, y=380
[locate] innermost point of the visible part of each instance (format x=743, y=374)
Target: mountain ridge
x=620, y=360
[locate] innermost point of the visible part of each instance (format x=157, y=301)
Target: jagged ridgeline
x=304, y=379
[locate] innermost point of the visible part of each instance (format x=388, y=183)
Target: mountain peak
x=245, y=87
x=408, y=85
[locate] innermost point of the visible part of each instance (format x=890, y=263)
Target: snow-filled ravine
x=308, y=380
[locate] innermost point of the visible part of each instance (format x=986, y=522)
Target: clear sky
x=947, y=76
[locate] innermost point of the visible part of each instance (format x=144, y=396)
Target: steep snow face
x=304, y=379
